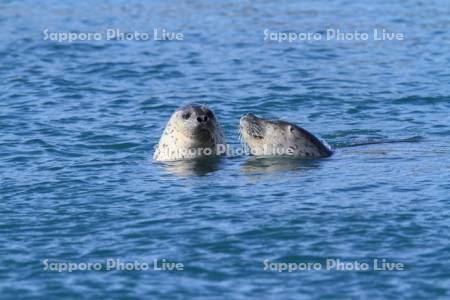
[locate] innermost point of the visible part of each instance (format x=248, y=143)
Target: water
x=79, y=121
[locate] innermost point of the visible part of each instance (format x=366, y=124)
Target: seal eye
x=291, y=129
x=186, y=115
x=209, y=114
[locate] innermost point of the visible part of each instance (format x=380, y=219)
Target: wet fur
x=181, y=135
x=263, y=136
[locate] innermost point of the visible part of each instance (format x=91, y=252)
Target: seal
x=273, y=138
x=192, y=131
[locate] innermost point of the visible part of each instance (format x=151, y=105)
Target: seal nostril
x=202, y=119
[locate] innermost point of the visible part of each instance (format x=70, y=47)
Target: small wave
x=414, y=139
x=113, y=146
x=422, y=100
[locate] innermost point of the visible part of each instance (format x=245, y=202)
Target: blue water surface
x=79, y=121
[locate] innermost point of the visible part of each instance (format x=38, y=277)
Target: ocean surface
x=79, y=121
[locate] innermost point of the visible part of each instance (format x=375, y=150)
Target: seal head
x=192, y=131
x=273, y=138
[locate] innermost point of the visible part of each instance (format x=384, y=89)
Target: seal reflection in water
x=194, y=167
x=274, y=138
x=192, y=131
x=277, y=164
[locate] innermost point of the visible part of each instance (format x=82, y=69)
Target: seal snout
x=249, y=123
x=249, y=116
x=247, y=119
x=202, y=119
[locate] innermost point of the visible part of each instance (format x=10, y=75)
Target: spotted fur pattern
x=273, y=138
x=186, y=139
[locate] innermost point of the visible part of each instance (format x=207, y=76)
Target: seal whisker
x=244, y=147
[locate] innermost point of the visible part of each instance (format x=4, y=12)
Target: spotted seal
x=273, y=138
x=192, y=131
